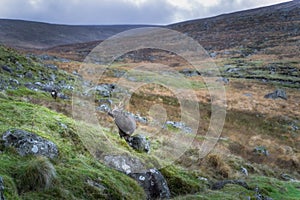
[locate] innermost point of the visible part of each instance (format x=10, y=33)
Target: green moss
x=182, y=182
x=275, y=188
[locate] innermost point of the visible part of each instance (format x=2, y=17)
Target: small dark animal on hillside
x=125, y=122
x=54, y=94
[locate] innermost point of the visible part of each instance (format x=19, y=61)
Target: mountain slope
x=18, y=33
x=261, y=28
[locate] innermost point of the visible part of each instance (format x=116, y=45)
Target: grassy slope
x=76, y=164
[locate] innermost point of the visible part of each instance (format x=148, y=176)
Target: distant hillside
x=18, y=33
x=261, y=28
x=268, y=30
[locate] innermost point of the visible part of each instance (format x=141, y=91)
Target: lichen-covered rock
x=154, y=184
x=27, y=143
x=124, y=163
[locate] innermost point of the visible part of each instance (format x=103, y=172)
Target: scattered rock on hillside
x=1, y=189
x=261, y=150
x=51, y=66
x=190, y=72
x=179, y=125
x=223, y=79
x=139, y=143
x=7, y=68
x=27, y=143
x=124, y=163
x=104, y=90
x=154, y=184
x=244, y=171
x=233, y=70
x=279, y=93
x=259, y=196
x=139, y=118
x=287, y=177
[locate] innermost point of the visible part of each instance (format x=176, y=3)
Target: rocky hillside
x=264, y=30
x=54, y=148
x=46, y=154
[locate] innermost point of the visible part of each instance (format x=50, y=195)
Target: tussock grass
x=35, y=174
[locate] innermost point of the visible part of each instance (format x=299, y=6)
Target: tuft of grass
x=35, y=174
x=217, y=165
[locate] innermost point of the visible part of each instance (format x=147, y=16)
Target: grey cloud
x=115, y=11
x=90, y=12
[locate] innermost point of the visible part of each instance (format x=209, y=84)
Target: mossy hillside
x=74, y=166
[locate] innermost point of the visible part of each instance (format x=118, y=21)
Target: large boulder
x=124, y=163
x=154, y=184
x=279, y=93
x=139, y=143
x=27, y=143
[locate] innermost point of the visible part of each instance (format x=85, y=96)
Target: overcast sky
x=122, y=11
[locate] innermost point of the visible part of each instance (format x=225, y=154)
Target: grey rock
x=47, y=88
x=103, y=108
x=124, y=163
x=248, y=95
x=1, y=189
x=244, y=171
x=51, y=66
x=279, y=93
x=27, y=143
x=140, y=119
x=294, y=127
x=63, y=96
x=213, y=54
x=261, y=150
x=223, y=79
x=39, y=84
x=259, y=196
x=233, y=70
x=105, y=89
x=14, y=82
x=31, y=86
x=139, y=143
x=7, y=68
x=179, y=125
x=29, y=74
x=287, y=177
x=190, y=72
x=154, y=184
